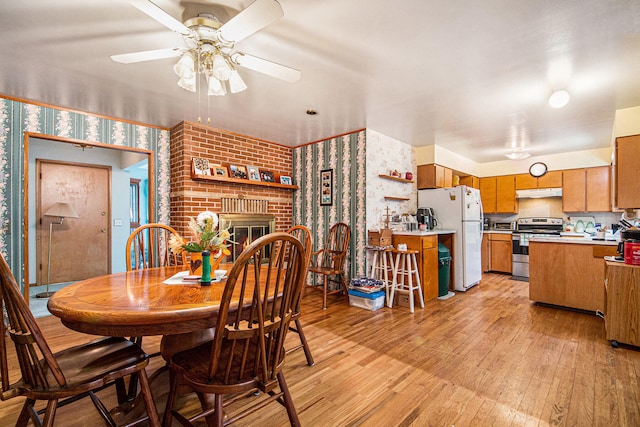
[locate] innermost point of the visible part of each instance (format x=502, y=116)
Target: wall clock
x=538, y=169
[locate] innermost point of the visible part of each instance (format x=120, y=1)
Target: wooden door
x=506, y=194
x=574, y=185
x=80, y=247
x=488, y=194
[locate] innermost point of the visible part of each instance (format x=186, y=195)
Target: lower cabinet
x=568, y=274
x=622, y=287
x=496, y=252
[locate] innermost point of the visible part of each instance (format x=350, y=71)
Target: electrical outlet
x=117, y=222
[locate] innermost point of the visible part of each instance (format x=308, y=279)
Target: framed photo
x=253, y=172
x=266, y=176
x=238, y=171
x=326, y=187
x=218, y=170
x=201, y=166
x=284, y=179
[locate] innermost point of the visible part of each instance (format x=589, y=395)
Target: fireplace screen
x=245, y=229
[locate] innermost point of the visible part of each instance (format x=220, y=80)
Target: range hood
x=539, y=193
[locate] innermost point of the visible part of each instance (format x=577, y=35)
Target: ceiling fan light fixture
x=220, y=69
x=236, y=83
x=185, y=67
x=188, y=84
x=215, y=87
x=559, y=98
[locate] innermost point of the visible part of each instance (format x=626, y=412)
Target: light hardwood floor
x=485, y=357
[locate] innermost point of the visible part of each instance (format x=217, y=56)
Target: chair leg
x=305, y=345
x=28, y=413
x=288, y=401
x=324, y=293
x=145, y=389
x=50, y=413
x=407, y=264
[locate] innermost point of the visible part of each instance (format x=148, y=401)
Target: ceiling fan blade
x=270, y=68
x=147, y=55
x=154, y=11
x=256, y=16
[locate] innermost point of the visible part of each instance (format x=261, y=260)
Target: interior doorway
x=80, y=247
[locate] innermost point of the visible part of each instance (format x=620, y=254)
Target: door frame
x=81, y=144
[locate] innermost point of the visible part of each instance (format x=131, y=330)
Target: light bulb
x=184, y=68
x=559, y=98
x=236, y=84
x=220, y=69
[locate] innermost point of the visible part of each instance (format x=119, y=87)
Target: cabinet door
x=506, y=194
x=627, y=171
x=448, y=177
x=501, y=255
x=598, y=189
x=574, y=185
x=524, y=181
x=429, y=277
x=426, y=177
x=552, y=179
x=486, y=253
x=470, y=181
x=489, y=194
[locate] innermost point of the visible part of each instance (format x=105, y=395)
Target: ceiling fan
x=209, y=49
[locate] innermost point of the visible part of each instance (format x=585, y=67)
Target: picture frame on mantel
x=326, y=187
x=201, y=166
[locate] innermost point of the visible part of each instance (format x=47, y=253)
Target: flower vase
x=195, y=263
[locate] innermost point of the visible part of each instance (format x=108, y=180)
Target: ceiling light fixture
x=518, y=155
x=559, y=98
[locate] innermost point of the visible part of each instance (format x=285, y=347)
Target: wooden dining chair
x=303, y=234
x=246, y=355
x=148, y=246
x=62, y=377
x=329, y=260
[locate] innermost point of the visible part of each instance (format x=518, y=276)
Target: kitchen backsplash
x=552, y=207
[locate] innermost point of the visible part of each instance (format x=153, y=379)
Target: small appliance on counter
x=629, y=247
x=485, y=224
x=427, y=217
x=504, y=226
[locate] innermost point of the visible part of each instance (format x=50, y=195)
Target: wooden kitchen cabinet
x=552, y=179
x=622, y=287
x=498, y=194
x=586, y=190
x=486, y=253
x=500, y=248
x=626, y=157
x=427, y=247
x=568, y=274
x=470, y=181
x=434, y=176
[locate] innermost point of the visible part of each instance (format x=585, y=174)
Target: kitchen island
x=569, y=271
x=426, y=243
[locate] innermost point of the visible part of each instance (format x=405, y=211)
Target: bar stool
x=382, y=267
x=405, y=264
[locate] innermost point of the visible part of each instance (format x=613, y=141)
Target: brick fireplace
x=190, y=197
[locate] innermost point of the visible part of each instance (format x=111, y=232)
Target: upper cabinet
x=586, y=190
x=470, y=181
x=498, y=194
x=434, y=176
x=626, y=172
x=552, y=179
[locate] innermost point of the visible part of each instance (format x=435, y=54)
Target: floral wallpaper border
x=346, y=155
x=17, y=117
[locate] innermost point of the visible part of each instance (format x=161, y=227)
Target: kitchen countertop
x=587, y=240
x=498, y=231
x=423, y=233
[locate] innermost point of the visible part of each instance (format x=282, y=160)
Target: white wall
x=626, y=122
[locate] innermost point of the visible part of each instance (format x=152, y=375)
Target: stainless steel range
x=525, y=228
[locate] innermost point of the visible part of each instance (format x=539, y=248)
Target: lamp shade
x=236, y=84
x=61, y=209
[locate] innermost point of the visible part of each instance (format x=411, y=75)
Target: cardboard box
x=401, y=298
x=380, y=237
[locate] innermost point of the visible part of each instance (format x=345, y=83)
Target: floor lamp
x=62, y=211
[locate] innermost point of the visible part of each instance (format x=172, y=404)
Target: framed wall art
x=238, y=171
x=284, y=179
x=266, y=176
x=219, y=170
x=326, y=187
x=201, y=166
x=253, y=172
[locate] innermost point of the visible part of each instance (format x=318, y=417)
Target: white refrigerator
x=460, y=209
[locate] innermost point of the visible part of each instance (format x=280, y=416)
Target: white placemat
x=178, y=279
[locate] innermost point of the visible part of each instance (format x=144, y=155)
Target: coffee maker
x=427, y=217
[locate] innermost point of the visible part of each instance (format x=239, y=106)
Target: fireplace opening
x=245, y=229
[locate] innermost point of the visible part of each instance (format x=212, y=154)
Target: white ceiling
x=466, y=75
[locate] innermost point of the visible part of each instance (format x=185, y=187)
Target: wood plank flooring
x=485, y=357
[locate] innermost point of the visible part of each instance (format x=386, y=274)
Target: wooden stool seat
x=405, y=264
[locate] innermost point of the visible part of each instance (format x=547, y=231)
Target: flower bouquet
x=205, y=236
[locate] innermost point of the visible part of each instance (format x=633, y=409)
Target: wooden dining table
x=138, y=303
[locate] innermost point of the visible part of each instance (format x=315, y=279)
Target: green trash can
x=444, y=270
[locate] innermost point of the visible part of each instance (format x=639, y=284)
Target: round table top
x=137, y=303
